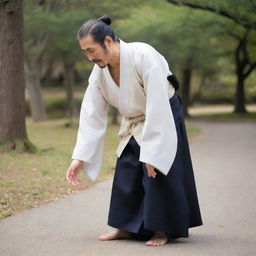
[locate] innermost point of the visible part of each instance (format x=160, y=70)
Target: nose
x=90, y=57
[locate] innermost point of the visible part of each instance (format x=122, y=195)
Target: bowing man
x=153, y=192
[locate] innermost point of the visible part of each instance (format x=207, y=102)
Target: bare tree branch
x=243, y=22
x=252, y=67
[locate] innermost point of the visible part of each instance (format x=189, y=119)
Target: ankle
x=123, y=231
x=160, y=233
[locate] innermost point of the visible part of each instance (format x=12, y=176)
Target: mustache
x=96, y=60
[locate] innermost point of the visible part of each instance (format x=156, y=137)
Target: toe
x=109, y=236
x=102, y=237
x=149, y=243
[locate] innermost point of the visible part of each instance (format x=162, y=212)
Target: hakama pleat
x=142, y=204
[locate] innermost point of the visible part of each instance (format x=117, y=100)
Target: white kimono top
x=142, y=99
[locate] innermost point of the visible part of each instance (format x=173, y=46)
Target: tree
x=36, y=37
x=183, y=38
x=244, y=14
x=13, y=134
x=65, y=49
x=244, y=66
x=50, y=31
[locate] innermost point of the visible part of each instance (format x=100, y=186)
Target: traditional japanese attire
x=152, y=131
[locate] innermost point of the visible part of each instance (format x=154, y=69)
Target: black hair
x=98, y=29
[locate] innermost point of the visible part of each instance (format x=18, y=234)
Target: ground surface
x=224, y=163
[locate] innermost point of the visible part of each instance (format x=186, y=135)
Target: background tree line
x=209, y=45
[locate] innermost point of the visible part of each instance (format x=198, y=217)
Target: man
x=154, y=190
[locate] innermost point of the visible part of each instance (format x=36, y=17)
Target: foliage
x=184, y=38
x=199, y=39
x=242, y=12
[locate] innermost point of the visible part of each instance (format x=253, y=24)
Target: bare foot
x=116, y=234
x=158, y=239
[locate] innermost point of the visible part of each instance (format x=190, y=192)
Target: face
x=95, y=52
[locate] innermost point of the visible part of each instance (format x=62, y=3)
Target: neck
x=115, y=59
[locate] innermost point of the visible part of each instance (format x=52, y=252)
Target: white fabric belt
x=133, y=126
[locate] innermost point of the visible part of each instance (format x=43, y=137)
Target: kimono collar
x=126, y=74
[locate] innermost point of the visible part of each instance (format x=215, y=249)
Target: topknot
x=106, y=19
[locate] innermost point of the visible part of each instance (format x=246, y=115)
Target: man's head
x=96, y=39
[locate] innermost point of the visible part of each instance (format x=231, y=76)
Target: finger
x=149, y=172
x=150, y=168
x=67, y=174
x=72, y=180
x=152, y=172
x=68, y=178
x=76, y=180
x=74, y=177
x=71, y=175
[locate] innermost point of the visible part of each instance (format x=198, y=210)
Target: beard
x=97, y=61
x=102, y=66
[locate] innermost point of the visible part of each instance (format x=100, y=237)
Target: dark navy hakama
x=167, y=203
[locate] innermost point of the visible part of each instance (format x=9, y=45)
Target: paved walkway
x=213, y=109
x=224, y=162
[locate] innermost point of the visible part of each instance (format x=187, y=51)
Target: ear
x=108, y=40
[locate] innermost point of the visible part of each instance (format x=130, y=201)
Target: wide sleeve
x=159, y=136
x=92, y=128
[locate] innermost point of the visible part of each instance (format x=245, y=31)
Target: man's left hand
x=151, y=171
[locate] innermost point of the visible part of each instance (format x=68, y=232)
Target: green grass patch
x=28, y=180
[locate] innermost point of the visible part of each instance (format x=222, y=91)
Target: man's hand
x=151, y=172
x=73, y=171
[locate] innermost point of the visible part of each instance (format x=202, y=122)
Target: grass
x=29, y=180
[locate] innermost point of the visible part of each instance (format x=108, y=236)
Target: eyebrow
x=84, y=50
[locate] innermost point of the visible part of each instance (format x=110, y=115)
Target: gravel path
x=224, y=163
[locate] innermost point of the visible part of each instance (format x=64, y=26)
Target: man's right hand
x=73, y=171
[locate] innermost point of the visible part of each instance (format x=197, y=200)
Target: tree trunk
x=244, y=66
x=198, y=94
x=33, y=67
x=185, y=92
x=13, y=134
x=72, y=111
x=239, y=97
x=35, y=96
